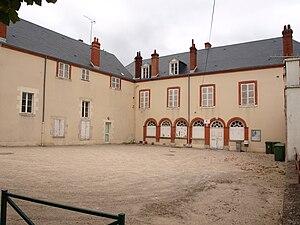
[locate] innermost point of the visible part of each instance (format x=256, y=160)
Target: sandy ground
x=150, y=184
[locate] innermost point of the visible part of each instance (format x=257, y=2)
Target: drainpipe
x=44, y=97
x=189, y=110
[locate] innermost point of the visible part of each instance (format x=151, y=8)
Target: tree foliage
x=9, y=8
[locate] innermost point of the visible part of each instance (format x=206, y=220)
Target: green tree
x=9, y=8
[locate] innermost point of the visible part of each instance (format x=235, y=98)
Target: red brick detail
x=154, y=64
x=144, y=90
x=287, y=40
x=207, y=134
x=214, y=93
x=178, y=95
x=3, y=30
x=138, y=63
x=255, y=90
x=193, y=56
x=95, y=53
x=246, y=133
x=226, y=136
x=191, y=128
x=173, y=130
x=157, y=133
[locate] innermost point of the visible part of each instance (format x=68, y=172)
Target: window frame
x=174, y=62
x=144, y=91
x=114, y=84
x=26, y=103
x=85, y=74
x=85, y=109
x=58, y=69
x=241, y=83
x=61, y=132
x=147, y=68
x=178, y=97
x=213, y=93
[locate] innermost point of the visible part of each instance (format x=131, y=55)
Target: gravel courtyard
x=150, y=184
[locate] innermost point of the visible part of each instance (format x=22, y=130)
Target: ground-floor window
x=85, y=127
x=181, y=129
x=59, y=127
x=236, y=131
x=165, y=129
x=151, y=129
x=198, y=130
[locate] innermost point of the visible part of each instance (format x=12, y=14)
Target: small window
x=27, y=103
x=63, y=70
x=59, y=128
x=85, y=74
x=248, y=93
x=85, y=108
x=174, y=67
x=145, y=71
x=207, y=95
x=115, y=83
x=144, y=99
x=173, y=97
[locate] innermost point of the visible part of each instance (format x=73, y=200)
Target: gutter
x=44, y=103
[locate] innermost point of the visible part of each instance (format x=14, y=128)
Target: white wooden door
x=216, y=137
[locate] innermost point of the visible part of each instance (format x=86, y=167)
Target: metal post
x=3, y=207
x=121, y=219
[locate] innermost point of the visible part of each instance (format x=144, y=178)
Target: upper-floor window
x=174, y=67
x=27, y=102
x=145, y=71
x=173, y=97
x=85, y=109
x=248, y=93
x=144, y=99
x=63, y=70
x=115, y=83
x=207, y=95
x=85, y=74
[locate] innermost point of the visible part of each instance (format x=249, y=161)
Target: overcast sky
x=127, y=26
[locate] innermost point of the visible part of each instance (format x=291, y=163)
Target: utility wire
x=212, y=20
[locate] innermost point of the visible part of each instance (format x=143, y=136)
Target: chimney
x=207, y=45
x=287, y=41
x=154, y=64
x=193, y=56
x=3, y=32
x=138, y=64
x=95, y=53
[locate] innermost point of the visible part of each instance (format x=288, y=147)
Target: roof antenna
x=92, y=23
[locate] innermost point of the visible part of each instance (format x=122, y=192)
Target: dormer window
x=145, y=71
x=174, y=67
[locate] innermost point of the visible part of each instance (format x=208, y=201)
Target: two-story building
x=59, y=91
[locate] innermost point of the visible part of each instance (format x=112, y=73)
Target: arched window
x=181, y=129
x=198, y=130
x=216, y=123
x=151, y=129
x=236, y=130
x=165, y=129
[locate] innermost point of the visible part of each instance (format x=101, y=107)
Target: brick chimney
x=193, y=56
x=95, y=53
x=154, y=64
x=3, y=32
x=138, y=64
x=207, y=45
x=287, y=41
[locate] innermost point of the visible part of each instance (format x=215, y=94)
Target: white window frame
x=85, y=75
x=236, y=131
x=173, y=97
x=85, y=109
x=115, y=83
x=151, y=129
x=29, y=103
x=174, y=67
x=207, y=96
x=144, y=99
x=250, y=95
x=63, y=70
x=145, y=71
x=59, y=128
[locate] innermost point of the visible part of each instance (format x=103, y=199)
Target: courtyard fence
x=7, y=198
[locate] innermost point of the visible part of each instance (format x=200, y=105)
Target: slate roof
x=255, y=54
x=34, y=38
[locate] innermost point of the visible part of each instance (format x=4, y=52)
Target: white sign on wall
x=206, y=121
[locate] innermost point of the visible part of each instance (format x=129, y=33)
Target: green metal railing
x=7, y=198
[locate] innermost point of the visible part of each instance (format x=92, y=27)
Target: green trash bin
x=279, y=152
x=269, y=147
x=274, y=143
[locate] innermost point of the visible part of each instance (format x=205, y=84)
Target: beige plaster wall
x=267, y=116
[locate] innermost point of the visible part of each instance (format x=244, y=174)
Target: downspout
x=189, y=110
x=44, y=103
